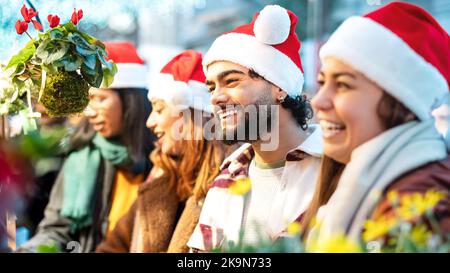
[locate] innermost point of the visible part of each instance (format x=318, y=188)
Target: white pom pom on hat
x=273, y=25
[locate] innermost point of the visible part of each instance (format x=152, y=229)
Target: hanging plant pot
x=65, y=93
x=58, y=67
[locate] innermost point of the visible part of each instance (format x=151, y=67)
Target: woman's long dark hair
x=135, y=135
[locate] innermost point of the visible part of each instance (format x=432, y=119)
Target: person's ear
x=281, y=95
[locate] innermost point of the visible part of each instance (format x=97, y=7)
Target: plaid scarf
x=223, y=214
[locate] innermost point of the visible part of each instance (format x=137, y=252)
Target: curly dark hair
x=300, y=106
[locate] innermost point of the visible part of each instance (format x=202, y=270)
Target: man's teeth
x=331, y=125
x=225, y=114
x=330, y=128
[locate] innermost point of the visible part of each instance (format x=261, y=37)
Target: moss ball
x=64, y=94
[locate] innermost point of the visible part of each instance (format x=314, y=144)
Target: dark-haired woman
x=107, y=162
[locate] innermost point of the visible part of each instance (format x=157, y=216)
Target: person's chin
x=229, y=136
x=166, y=149
x=104, y=133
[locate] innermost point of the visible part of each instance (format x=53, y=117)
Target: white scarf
x=373, y=166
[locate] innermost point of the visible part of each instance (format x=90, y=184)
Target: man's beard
x=250, y=129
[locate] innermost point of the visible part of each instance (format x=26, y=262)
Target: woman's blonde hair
x=192, y=172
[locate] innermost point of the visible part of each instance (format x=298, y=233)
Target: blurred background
x=161, y=28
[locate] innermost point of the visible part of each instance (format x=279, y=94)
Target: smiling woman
x=379, y=135
x=161, y=122
x=346, y=107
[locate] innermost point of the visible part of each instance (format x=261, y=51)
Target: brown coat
x=157, y=222
x=432, y=176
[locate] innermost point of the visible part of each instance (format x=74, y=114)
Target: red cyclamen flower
x=76, y=16
x=37, y=25
x=53, y=20
x=28, y=14
x=21, y=27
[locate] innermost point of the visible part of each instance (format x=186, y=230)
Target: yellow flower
x=416, y=204
x=240, y=186
x=420, y=235
x=294, y=228
x=378, y=228
x=392, y=196
x=334, y=244
x=433, y=197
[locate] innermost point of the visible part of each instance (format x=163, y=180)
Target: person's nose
x=90, y=112
x=151, y=121
x=219, y=96
x=322, y=101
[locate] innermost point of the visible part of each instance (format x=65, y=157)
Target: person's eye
x=320, y=82
x=343, y=86
x=101, y=98
x=231, y=82
x=211, y=88
x=158, y=110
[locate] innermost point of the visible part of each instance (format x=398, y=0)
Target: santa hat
x=403, y=49
x=181, y=82
x=131, y=70
x=268, y=45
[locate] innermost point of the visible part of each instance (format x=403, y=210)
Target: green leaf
x=93, y=77
x=56, y=34
x=69, y=27
x=72, y=64
x=84, y=51
x=114, y=67
x=82, y=46
x=108, y=74
x=20, y=68
x=91, y=40
x=50, y=68
x=51, y=50
x=104, y=61
x=44, y=35
x=23, y=56
x=90, y=61
x=108, y=78
x=18, y=83
x=89, y=71
x=43, y=143
x=101, y=49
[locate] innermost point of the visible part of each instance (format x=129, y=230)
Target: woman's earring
x=281, y=99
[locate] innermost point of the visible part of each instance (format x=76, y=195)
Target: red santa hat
x=268, y=45
x=403, y=49
x=181, y=82
x=131, y=70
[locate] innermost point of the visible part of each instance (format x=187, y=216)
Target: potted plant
x=57, y=68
